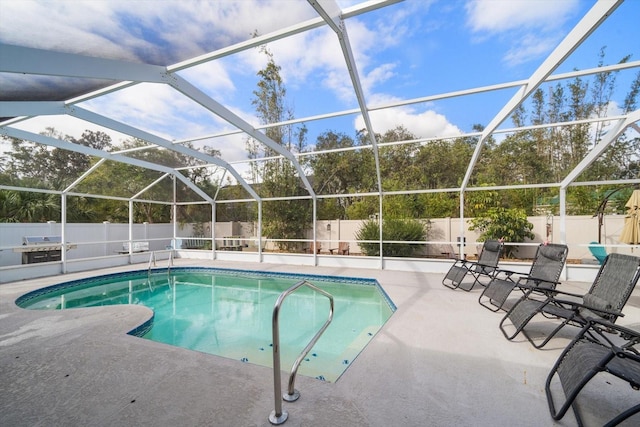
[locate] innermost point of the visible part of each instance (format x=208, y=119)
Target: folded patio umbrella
x=631, y=230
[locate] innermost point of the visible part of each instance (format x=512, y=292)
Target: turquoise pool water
x=229, y=312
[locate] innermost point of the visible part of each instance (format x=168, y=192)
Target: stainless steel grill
x=41, y=249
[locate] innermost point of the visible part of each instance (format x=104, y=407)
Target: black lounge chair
x=485, y=266
x=609, y=293
x=545, y=272
x=599, y=347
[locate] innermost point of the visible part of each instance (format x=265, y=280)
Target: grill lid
x=41, y=240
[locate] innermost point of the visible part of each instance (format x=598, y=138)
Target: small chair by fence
x=342, y=249
x=314, y=248
x=598, y=251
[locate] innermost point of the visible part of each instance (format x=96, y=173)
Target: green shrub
x=511, y=225
x=392, y=229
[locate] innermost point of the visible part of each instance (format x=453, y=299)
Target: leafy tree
x=478, y=202
x=237, y=211
x=431, y=157
x=132, y=180
x=53, y=168
x=35, y=165
x=398, y=168
x=278, y=177
x=337, y=173
x=23, y=206
x=510, y=225
x=548, y=154
x=440, y=205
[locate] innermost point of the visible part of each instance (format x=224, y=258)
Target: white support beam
x=192, y=92
x=65, y=145
x=429, y=98
x=59, y=108
x=239, y=47
x=25, y=60
x=84, y=175
x=149, y=187
x=331, y=13
x=31, y=108
x=594, y=17
x=310, y=24
x=609, y=138
x=98, y=119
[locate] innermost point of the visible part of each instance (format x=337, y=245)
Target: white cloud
x=423, y=124
x=64, y=26
x=66, y=125
x=135, y=30
x=155, y=31
x=531, y=28
x=497, y=16
x=316, y=56
x=379, y=74
x=310, y=58
x=155, y=108
x=612, y=109
x=212, y=78
x=529, y=46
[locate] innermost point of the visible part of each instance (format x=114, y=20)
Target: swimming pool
x=229, y=312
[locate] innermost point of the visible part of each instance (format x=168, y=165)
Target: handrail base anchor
x=277, y=420
x=291, y=397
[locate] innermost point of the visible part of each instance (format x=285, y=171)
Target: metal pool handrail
x=152, y=260
x=278, y=415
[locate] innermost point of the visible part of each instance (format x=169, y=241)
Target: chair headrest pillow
x=556, y=253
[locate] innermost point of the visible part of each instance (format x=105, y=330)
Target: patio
x=440, y=360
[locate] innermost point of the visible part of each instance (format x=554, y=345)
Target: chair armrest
x=630, y=335
x=507, y=274
x=549, y=291
x=622, y=330
x=533, y=288
x=485, y=267
x=576, y=304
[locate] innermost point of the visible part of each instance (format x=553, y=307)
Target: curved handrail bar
x=152, y=260
x=278, y=415
x=296, y=364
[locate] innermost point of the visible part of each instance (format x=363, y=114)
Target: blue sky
x=412, y=49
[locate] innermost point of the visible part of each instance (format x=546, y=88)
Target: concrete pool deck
x=439, y=361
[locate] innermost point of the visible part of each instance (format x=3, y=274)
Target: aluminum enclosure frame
x=123, y=74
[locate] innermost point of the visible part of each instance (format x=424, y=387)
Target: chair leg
x=473, y=284
x=549, y=336
x=455, y=276
x=495, y=294
x=520, y=314
x=623, y=416
x=576, y=366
